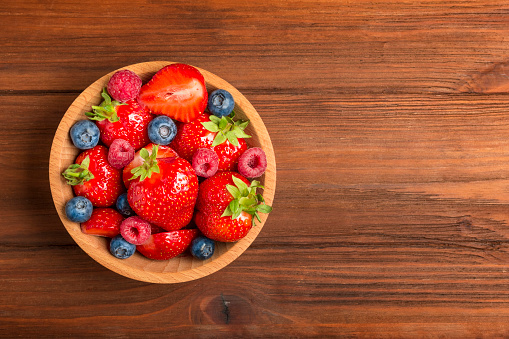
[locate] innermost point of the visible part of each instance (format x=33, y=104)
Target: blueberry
x=120, y=248
x=202, y=247
x=162, y=130
x=123, y=206
x=220, y=103
x=78, y=209
x=84, y=134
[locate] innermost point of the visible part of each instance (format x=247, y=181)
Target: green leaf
x=255, y=183
x=86, y=162
x=257, y=217
x=243, y=124
x=137, y=172
x=219, y=139
x=241, y=185
x=234, y=205
x=227, y=212
x=210, y=126
x=246, y=201
x=239, y=133
x=155, y=149
x=106, y=97
x=77, y=174
x=114, y=117
x=234, y=191
x=250, y=210
x=95, y=116
x=237, y=212
x=222, y=124
x=148, y=166
x=229, y=120
x=106, y=110
x=260, y=198
x=144, y=153
x=264, y=208
x=214, y=119
x=232, y=138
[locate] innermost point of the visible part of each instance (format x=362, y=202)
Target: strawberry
x=104, y=222
x=177, y=90
x=222, y=135
x=94, y=178
x=226, y=205
x=225, y=229
x=212, y=193
x=163, y=152
x=163, y=190
x=156, y=229
x=167, y=245
x=115, y=120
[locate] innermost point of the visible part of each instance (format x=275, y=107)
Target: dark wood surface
x=390, y=124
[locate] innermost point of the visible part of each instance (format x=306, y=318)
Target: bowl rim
x=186, y=270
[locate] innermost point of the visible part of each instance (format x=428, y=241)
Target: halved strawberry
x=177, y=90
x=104, y=222
x=167, y=245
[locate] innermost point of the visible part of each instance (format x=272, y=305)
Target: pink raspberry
x=120, y=154
x=135, y=230
x=205, y=162
x=124, y=85
x=252, y=163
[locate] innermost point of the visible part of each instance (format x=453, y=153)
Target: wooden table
x=390, y=125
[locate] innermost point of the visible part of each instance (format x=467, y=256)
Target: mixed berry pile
x=164, y=166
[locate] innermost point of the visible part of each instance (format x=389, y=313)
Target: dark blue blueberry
x=84, y=134
x=202, y=247
x=220, y=103
x=162, y=130
x=123, y=206
x=78, y=209
x=120, y=248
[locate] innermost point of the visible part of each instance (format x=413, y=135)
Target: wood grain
x=389, y=126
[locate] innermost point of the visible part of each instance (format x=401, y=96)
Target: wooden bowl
x=179, y=269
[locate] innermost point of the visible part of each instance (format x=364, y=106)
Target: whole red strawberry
x=177, y=90
x=226, y=205
x=167, y=245
x=162, y=153
x=104, y=222
x=94, y=178
x=163, y=190
x=222, y=135
x=128, y=121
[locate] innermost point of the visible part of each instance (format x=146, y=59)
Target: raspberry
x=252, y=163
x=124, y=85
x=135, y=230
x=120, y=154
x=205, y=162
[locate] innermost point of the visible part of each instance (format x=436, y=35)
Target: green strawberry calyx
x=226, y=129
x=149, y=165
x=107, y=109
x=245, y=199
x=77, y=174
